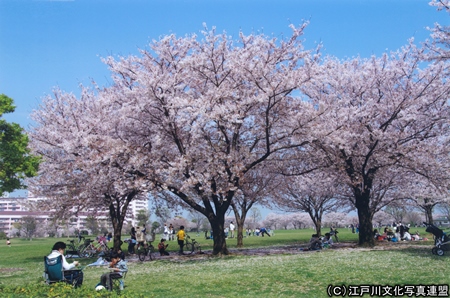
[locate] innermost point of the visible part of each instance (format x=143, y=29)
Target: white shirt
x=66, y=266
x=231, y=227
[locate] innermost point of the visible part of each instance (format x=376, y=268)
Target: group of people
x=398, y=232
x=258, y=232
x=316, y=242
x=137, y=237
x=117, y=265
x=169, y=232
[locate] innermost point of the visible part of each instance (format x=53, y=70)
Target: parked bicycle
x=146, y=250
x=90, y=248
x=73, y=248
x=191, y=245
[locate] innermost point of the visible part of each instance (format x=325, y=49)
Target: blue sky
x=48, y=43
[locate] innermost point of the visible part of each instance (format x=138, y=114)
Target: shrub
x=61, y=290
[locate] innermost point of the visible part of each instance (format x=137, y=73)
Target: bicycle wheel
x=189, y=248
x=197, y=247
x=141, y=254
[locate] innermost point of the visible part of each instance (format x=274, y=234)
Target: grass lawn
x=290, y=274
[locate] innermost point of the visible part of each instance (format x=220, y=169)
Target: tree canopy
x=16, y=162
x=203, y=122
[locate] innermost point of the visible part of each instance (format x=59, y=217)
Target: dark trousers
x=74, y=277
x=106, y=279
x=181, y=244
x=131, y=247
x=163, y=252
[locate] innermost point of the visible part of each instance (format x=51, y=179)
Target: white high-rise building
x=12, y=209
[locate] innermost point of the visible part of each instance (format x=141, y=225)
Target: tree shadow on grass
x=423, y=251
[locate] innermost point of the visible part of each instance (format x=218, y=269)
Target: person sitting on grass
x=315, y=243
x=327, y=240
x=162, y=246
x=118, y=268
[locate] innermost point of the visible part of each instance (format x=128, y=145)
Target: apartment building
x=13, y=209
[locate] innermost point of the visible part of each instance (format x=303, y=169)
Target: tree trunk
x=240, y=221
x=118, y=207
x=220, y=244
x=429, y=213
x=365, y=220
x=318, y=227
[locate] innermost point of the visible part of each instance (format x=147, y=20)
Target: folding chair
x=119, y=281
x=54, y=272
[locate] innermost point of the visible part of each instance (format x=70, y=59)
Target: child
x=180, y=236
x=8, y=243
x=118, y=267
x=162, y=247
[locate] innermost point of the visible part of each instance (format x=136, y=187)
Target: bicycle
x=73, y=249
x=89, y=249
x=191, y=245
x=146, y=250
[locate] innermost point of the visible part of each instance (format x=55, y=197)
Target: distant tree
x=163, y=214
x=335, y=219
x=155, y=226
x=28, y=226
x=255, y=188
x=3, y=235
x=198, y=220
x=382, y=218
x=143, y=217
x=397, y=210
x=272, y=221
x=414, y=218
x=300, y=220
x=255, y=217
x=445, y=209
x=92, y=224
x=314, y=193
x=16, y=161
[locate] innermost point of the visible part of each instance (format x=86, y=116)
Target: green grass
x=293, y=274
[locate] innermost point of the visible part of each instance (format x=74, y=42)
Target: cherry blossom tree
x=256, y=188
x=314, y=193
x=202, y=114
x=439, y=46
x=390, y=119
x=300, y=220
x=86, y=164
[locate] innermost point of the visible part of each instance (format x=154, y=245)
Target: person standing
x=171, y=232
x=232, y=227
x=180, y=237
x=8, y=242
x=132, y=242
x=166, y=232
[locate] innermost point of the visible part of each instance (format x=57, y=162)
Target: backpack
x=140, y=236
